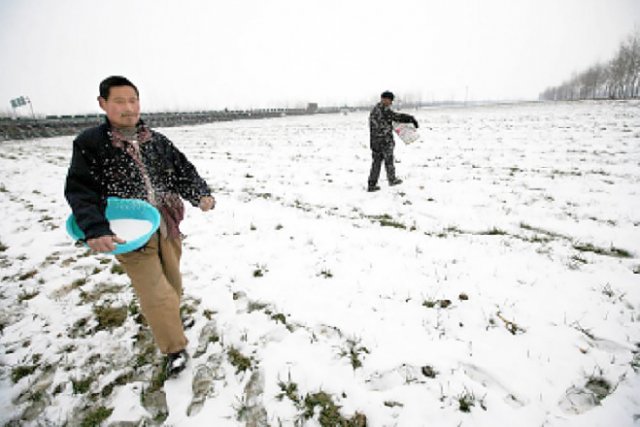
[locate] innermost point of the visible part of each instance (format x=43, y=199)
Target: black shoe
x=176, y=362
x=395, y=181
x=373, y=188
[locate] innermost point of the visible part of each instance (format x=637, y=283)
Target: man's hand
x=415, y=122
x=104, y=243
x=207, y=203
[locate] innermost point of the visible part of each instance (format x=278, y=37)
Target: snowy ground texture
x=498, y=286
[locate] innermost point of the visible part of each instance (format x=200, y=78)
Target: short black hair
x=387, y=94
x=109, y=82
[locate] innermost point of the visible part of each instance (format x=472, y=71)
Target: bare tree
x=633, y=71
x=618, y=79
x=591, y=81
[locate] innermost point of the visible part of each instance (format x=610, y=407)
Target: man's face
x=387, y=101
x=122, y=106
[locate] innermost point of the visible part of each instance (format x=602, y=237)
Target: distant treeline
x=618, y=79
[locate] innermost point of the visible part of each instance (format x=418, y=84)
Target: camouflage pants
x=382, y=152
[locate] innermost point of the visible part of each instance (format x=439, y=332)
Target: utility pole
x=30, y=106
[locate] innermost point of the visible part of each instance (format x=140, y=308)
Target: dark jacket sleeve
x=399, y=117
x=82, y=191
x=189, y=183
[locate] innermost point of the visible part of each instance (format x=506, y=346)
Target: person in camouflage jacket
x=381, y=121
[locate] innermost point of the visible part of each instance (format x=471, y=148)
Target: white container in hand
x=407, y=132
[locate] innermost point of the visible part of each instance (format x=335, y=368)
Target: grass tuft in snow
x=96, y=417
x=158, y=378
x=326, y=273
x=579, y=328
x=493, y=232
x=354, y=352
x=242, y=409
x=110, y=317
x=276, y=317
x=119, y=381
x=81, y=386
x=117, y=269
x=612, y=251
x=146, y=349
x=98, y=292
x=279, y=318
x=27, y=295
x=28, y=275
x=189, y=306
x=238, y=360
x=288, y=390
x=448, y=230
x=387, y=220
x=256, y=306
x=22, y=371
x=134, y=311
x=600, y=388
x=576, y=261
x=260, y=270
x=539, y=230
x=608, y=291
x=79, y=329
x=442, y=303
x=511, y=326
x=78, y=283
x=428, y=371
x=467, y=400
x=329, y=413
x=635, y=360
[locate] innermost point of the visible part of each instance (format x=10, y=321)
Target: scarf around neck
x=169, y=204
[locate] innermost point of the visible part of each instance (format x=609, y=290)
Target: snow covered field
x=499, y=285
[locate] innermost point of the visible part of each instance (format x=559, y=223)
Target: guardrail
x=49, y=126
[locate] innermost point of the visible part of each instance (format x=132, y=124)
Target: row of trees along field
x=618, y=79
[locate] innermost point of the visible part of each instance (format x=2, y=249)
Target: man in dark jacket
x=381, y=139
x=124, y=158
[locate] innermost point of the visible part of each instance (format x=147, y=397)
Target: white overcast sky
x=190, y=55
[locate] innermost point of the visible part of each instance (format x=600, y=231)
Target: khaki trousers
x=154, y=271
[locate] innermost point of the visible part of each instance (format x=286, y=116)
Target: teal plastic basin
x=118, y=208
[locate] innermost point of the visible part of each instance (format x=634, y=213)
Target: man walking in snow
x=381, y=139
x=124, y=158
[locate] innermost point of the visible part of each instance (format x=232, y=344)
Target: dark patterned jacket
x=381, y=127
x=100, y=169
